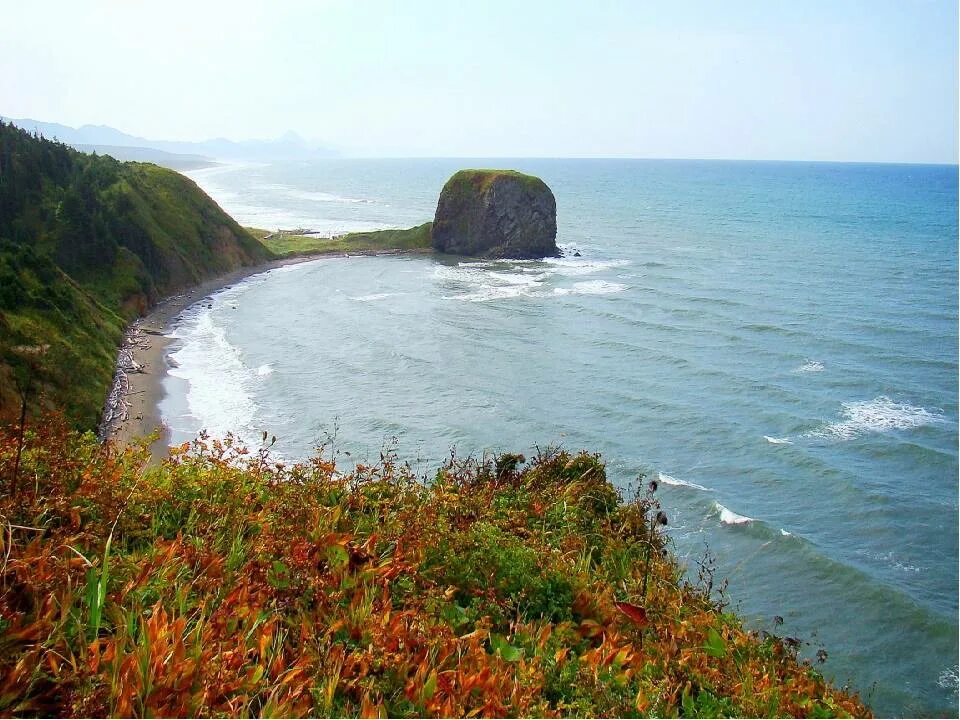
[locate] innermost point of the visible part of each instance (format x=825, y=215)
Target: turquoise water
x=776, y=341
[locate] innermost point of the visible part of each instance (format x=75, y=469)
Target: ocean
x=775, y=342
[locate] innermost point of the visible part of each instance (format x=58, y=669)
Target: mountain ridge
x=288, y=145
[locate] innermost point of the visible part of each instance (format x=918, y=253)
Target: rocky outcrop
x=497, y=214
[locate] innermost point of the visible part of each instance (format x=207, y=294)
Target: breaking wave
x=677, y=482
x=878, y=415
x=728, y=517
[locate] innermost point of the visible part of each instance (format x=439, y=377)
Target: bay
x=777, y=342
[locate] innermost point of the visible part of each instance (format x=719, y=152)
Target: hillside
x=225, y=583
x=87, y=244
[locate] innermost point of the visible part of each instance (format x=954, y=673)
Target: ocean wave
x=372, y=297
x=218, y=394
x=514, y=279
x=264, y=370
x=810, y=366
x=580, y=266
x=677, y=482
x=313, y=195
x=878, y=415
x=294, y=267
x=494, y=280
x=949, y=679
x=591, y=287
x=890, y=559
x=778, y=441
x=492, y=292
x=728, y=517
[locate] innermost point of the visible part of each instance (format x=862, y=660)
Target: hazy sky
x=798, y=79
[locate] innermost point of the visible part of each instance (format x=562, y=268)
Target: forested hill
x=86, y=244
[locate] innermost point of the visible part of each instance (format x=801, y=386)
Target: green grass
x=416, y=239
x=480, y=179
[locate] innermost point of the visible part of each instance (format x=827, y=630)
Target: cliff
x=86, y=244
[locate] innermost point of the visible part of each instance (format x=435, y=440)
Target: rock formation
x=497, y=214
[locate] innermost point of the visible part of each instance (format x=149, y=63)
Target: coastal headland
x=220, y=580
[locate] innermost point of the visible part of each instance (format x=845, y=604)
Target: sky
x=874, y=80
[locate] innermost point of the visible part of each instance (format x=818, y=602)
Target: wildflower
x=661, y=517
x=652, y=486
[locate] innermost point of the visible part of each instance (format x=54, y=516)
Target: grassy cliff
x=87, y=244
x=225, y=583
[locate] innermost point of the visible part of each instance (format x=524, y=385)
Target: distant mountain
x=100, y=137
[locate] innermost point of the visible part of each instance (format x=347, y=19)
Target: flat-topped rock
x=497, y=214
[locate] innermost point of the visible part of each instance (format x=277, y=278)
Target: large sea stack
x=496, y=214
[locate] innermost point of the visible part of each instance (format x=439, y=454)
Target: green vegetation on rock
x=86, y=245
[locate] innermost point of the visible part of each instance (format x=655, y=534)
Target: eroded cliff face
x=496, y=213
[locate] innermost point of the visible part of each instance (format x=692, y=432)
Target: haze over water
x=776, y=342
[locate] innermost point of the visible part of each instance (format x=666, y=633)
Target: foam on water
x=878, y=415
x=728, y=517
x=492, y=292
x=483, y=281
x=293, y=267
x=778, y=441
x=218, y=382
x=264, y=370
x=372, y=297
x=314, y=195
x=810, y=366
x=254, y=212
x=890, y=559
x=592, y=287
x=950, y=678
x=677, y=482
x=580, y=266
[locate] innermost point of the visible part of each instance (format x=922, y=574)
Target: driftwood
x=116, y=408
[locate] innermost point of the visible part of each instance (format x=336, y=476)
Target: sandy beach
x=135, y=404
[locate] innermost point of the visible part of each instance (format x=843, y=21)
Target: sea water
x=776, y=342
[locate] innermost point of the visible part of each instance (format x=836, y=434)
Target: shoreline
x=132, y=408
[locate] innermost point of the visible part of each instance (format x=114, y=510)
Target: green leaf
x=430, y=686
x=337, y=556
x=501, y=647
x=715, y=646
x=279, y=575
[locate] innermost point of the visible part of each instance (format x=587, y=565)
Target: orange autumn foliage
x=225, y=583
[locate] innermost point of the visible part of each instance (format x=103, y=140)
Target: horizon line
x=953, y=163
